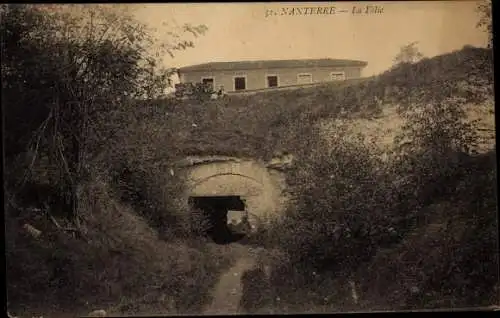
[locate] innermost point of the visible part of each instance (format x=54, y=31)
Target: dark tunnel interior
x=215, y=209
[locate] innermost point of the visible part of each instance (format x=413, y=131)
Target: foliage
x=343, y=206
x=485, y=21
x=255, y=291
x=448, y=259
x=433, y=142
x=77, y=88
x=281, y=121
x=357, y=217
x=120, y=264
x=197, y=91
x=81, y=66
x=199, y=223
x=408, y=54
x=406, y=249
x=91, y=169
x=139, y=165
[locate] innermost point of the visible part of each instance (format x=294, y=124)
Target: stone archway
x=258, y=186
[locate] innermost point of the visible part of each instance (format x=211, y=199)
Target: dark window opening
x=272, y=81
x=240, y=83
x=209, y=217
x=209, y=83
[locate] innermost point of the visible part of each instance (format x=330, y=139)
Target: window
x=337, y=76
x=240, y=83
x=272, y=80
x=208, y=82
x=304, y=78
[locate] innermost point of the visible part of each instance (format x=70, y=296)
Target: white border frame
x=299, y=74
x=337, y=73
x=234, y=83
x=266, y=81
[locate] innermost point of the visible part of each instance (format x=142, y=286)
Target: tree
x=408, y=54
x=68, y=74
x=432, y=145
x=485, y=22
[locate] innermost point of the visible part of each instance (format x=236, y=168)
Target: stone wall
x=261, y=185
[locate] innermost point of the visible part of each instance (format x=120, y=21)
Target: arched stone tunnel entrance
x=231, y=190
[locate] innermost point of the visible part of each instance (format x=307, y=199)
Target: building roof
x=248, y=65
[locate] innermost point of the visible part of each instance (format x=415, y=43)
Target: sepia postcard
x=171, y=159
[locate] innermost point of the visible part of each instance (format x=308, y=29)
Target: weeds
x=413, y=231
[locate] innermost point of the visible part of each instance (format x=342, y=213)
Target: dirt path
x=228, y=291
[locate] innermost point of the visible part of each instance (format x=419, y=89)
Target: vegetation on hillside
x=485, y=22
x=354, y=215
x=263, y=124
x=416, y=230
x=408, y=54
x=90, y=217
x=93, y=217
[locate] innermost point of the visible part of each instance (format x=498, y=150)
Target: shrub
x=98, y=163
x=255, y=291
x=341, y=210
x=356, y=217
x=448, y=260
x=119, y=263
x=137, y=156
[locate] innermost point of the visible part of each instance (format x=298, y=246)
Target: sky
x=243, y=32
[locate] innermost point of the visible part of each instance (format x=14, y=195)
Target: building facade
x=256, y=75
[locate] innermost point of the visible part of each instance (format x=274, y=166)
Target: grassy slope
x=433, y=259
x=437, y=253
x=120, y=265
x=260, y=125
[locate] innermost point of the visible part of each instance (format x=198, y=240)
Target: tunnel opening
x=210, y=217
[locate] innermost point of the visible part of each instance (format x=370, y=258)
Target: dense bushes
x=119, y=263
x=347, y=207
x=140, y=166
x=414, y=230
x=78, y=140
x=449, y=259
x=403, y=251
x=91, y=170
